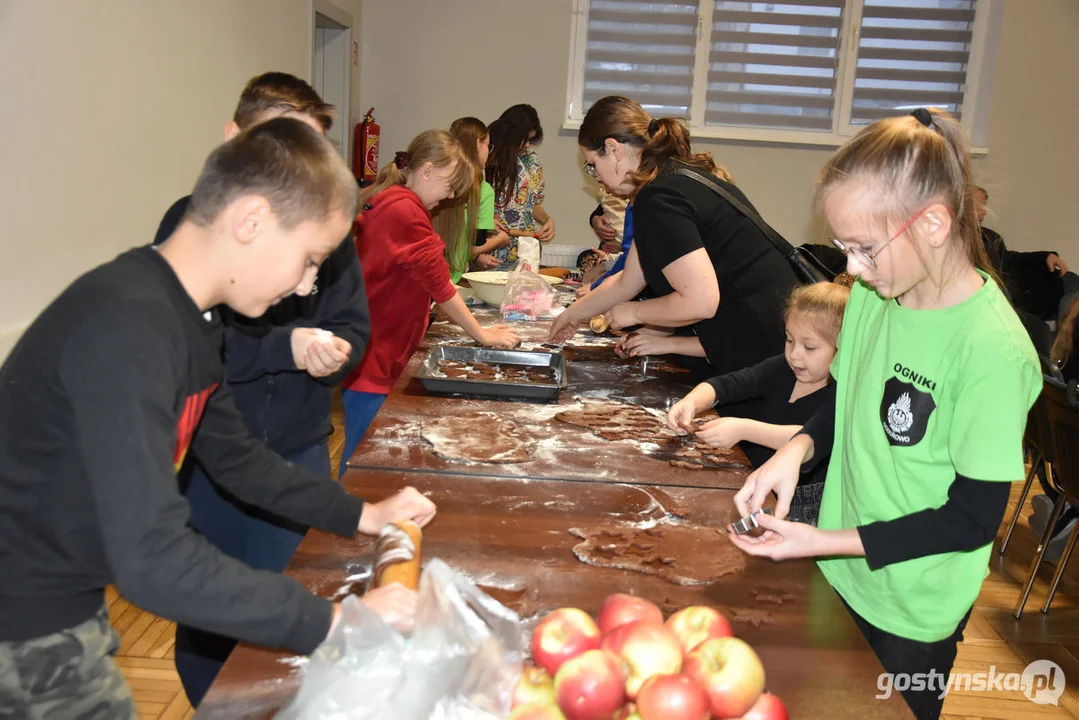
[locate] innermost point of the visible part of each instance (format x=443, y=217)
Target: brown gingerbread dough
x=478, y=437
x=751, y=616
x=678, y=553
x=488, y=372
x=619, y=421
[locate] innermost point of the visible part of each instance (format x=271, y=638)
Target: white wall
x=112, y=105
x=426, y=62
x=110, y=108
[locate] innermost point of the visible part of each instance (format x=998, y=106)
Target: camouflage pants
x=69, y=674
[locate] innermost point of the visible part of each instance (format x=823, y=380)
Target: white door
x=331, y=67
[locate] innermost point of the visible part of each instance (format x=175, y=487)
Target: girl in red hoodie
x=404, y=269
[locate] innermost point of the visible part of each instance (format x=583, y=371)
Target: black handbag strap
x=709, y=181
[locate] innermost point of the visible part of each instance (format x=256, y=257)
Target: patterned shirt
x=515, y=212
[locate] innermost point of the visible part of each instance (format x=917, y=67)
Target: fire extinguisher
x=365, y=148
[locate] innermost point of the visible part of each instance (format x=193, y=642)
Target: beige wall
x=477, y=57
x=112, y=105
x=110, y=108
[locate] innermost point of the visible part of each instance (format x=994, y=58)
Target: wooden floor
x=993, y=638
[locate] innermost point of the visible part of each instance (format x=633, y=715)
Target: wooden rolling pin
x=598, y=324
x=397, y=555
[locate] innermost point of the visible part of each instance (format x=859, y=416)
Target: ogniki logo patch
x=904, y=412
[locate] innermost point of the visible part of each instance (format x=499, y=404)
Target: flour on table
x=478, y=437
x=679, y=553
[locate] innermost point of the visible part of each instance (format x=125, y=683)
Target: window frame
x=975, y=100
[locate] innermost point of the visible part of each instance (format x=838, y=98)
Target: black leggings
x=903, y=656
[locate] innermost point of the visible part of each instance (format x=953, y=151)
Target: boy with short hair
x=100, y=401
x=282, y=370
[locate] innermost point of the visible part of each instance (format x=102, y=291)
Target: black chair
x=1035, y=441
x=1040, y=456
x=1061, y=427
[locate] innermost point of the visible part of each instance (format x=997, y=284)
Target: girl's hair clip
x=653, y=127
x=924, y=117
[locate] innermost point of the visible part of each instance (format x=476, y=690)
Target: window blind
x=773, y=64
x=911, y=53
x=643, y=49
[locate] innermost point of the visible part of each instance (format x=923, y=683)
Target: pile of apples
x=629, y=664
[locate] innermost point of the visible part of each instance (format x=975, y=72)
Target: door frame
x=344, y=18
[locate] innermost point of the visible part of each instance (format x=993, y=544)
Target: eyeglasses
x=868, y=258
x=590, y=169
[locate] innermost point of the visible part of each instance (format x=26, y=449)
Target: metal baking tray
x=435, y=381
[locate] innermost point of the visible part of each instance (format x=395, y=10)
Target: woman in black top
x=689, y=246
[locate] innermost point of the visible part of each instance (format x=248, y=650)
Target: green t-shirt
x=485, y=220
x=922, y=395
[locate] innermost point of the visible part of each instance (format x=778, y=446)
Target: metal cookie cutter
x=749, y=523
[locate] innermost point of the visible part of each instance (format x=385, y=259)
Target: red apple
x=537, y=712
x=730, y=672
x=590, y=686
x=697, y=623
x=673, y=697
x=767, y=707
x=534, y=687
x=646, y=649
x=619, y=609
x=563, y=634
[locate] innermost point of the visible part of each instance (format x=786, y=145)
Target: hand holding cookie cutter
x=749, y=523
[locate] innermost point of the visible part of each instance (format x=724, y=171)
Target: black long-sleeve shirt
x=99, y=402
x=286, y=407
x=966, y=521
x=1031, y=285
x=772, y=381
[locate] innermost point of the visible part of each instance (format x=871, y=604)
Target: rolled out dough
x=478, y=437
x=621, y=421
x=678, y=553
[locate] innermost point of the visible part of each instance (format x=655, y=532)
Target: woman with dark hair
x=516, y=175
x=526, y=116
x=689, y=246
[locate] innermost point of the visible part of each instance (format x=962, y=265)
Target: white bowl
x=490, y=285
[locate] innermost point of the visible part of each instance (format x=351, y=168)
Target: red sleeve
x=421, y=252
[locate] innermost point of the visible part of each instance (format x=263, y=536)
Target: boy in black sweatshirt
x=106, y=392
x=281, y=370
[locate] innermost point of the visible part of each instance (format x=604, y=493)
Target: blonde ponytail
x=914, y=160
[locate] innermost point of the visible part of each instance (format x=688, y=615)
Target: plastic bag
x=460, y=663
x=528, y=296
x=528, y=253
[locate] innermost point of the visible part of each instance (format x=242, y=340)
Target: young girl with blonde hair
x=934, y=376
x=404, y=269
x=790, y=387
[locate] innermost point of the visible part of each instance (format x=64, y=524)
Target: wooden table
x=562, y=451
x=511, y=536
x=507, y=528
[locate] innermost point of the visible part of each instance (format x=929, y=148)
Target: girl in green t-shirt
x=474, y=215
x=934, y=376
